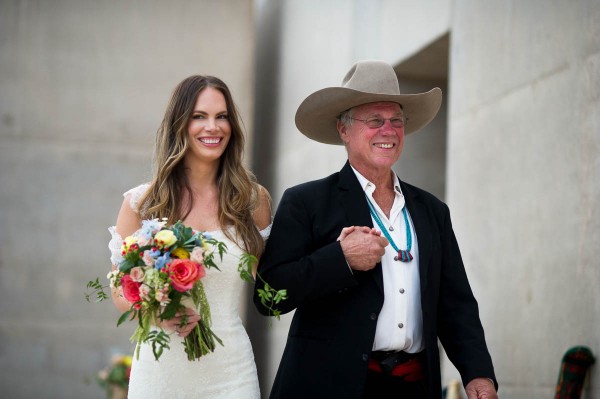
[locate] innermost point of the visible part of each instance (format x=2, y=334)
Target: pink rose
x=197, y=255
x=131, y=289
x=162, y=296
x=145, y=292
x=137, y=274
x=184, y=273
x=148, y=259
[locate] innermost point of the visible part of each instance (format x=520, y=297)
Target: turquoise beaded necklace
x=403, y=254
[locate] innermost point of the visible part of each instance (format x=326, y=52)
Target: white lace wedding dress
x=227, y=373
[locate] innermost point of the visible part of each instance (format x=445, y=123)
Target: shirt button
x=400, y=325
x=373, y=316
x=365, y=357
x=401, y=290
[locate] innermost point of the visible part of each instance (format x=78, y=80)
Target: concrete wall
x=84, y=85
x=524, y=180
x=522, y=164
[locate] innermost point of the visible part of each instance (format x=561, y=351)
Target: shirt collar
x=369, y=187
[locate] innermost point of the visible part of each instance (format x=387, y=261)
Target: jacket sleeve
x=298, y=259
x=460, y=329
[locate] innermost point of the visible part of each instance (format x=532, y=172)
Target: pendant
x=403, y=256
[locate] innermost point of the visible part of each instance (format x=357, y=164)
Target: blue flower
x=149, y=227
x=153, y=253
x=162, y=260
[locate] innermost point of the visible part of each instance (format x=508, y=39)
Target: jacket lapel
x=352, y=201
x=352, y=198
x=419, y=217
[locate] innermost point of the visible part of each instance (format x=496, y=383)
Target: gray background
x=515, y=152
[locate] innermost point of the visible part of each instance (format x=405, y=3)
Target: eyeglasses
x=376, y=122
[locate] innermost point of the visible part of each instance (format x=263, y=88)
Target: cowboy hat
x=367, y=82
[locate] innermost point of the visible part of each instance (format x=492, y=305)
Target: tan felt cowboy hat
x=367, y=82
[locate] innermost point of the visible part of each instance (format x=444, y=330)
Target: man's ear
x=341, y=128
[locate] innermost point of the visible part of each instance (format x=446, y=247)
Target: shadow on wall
x=263, y=158
x=423, y=159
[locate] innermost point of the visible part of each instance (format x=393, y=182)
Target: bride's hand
x=183, y=323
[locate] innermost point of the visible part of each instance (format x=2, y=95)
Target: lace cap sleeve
x=116, y=241
x=136, y=195
x=266, y=232
x=114, y=245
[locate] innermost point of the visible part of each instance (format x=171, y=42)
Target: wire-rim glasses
x=376, y=122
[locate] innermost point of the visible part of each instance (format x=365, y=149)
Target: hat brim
x=317, y=115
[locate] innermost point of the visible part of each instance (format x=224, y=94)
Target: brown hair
x=238, y=190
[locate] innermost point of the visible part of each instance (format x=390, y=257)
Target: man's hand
x=481, y=388
x=363, y=246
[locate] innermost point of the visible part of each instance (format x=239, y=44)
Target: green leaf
x=97, y=289
x=222, y=247
x=126, y=265
x=124, y=317
x=246, y=276
x=280, y=296
x=160, y=341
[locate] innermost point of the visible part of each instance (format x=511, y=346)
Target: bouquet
x=116, y=376
x=160, y=272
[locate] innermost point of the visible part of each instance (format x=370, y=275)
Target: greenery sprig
x=269, y=297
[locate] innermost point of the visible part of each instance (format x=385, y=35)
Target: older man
x=371, y=264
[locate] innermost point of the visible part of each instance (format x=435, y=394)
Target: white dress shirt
x=400, y=322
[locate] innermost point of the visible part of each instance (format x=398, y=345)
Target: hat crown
x=368, y=81
x=372, y=77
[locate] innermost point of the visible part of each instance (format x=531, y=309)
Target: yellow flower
x=127, y=360
x=127, y=243
x=180, y=253
x=165, y=238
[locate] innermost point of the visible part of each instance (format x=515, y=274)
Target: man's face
x=374, y=148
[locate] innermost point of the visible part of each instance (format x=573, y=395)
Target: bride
x=200, y=180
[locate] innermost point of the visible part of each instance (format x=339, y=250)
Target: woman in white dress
x=199, y=179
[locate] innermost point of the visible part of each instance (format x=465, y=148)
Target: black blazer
x=333, y=328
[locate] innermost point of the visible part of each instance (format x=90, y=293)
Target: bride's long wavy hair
x=170, y=189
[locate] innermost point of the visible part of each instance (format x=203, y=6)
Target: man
x=370, y=263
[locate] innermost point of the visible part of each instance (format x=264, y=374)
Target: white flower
x=112, y=277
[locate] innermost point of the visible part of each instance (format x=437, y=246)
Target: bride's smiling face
x=209, y=129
